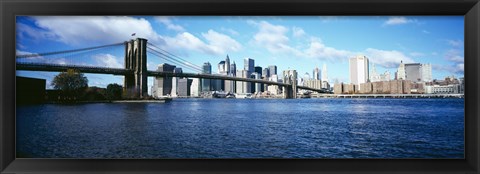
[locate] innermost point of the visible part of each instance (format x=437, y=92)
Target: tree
x=114, y=91
x=72, y=84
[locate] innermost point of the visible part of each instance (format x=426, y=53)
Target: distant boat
x=243, y=95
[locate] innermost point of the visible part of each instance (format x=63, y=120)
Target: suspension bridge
x=134, y=68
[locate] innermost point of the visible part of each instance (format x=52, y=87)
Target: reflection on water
x=261, y=128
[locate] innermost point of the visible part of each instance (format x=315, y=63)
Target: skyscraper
x=266, y=73
x=426, y=72
x=221, y=67
x=374, y=76
x=358, y=70
x=163, y=86
x=316, y=74
x=207, y=69
x=400, y=75
x=413, y=72
x=249, y=65
x=174, y=92
x=273, y=69
x=324, y=73
x=227, y=65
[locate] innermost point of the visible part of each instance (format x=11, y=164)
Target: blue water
x=235, y=128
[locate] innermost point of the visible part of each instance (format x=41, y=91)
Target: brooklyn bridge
x=135, y=67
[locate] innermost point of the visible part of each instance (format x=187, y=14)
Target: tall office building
x=230, y=85
x=316, y=74
x=206, y=83
x=227, y=65
x=400, y=75
x=174, y=92
x=257, y=86
x=195, y=88
x=258, y=70
x=243, y=87
x=324, y=73
x=163, y=86
x=426, y=72
x=413, y=72
x=221, y=67
x=374, y=76
x=266, y=73
x=273, y=69
x=184, y=87
x=358, y=70
x=249, y=65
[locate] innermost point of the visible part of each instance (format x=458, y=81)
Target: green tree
x=114, y=91
x=72, y=84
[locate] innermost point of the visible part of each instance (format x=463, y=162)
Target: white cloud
x=221, y=42
x=218, y=43
x=455, y=43
x=229, y=30
x=107, y=60
x=454, y=55
x=78, y=30
x=166, y=20
x=425, y=31
x=319, y=50
x=398, y=20
x=298, y=32
x=387, y=58
x=272, y=37
x=416, y=54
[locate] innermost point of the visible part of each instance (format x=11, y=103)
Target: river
x=244, y=128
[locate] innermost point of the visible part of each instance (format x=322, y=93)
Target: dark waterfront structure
x=30, y=90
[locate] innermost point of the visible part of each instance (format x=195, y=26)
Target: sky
x=289, y=42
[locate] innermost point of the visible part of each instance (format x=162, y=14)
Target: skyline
x=309, y=42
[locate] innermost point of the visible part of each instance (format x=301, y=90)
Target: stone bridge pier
x=290, y=77
x=135, y=85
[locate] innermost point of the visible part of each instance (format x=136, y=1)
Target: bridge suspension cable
x=159, y=54
x=66, y=51
x=174, y=60
x=177, y=57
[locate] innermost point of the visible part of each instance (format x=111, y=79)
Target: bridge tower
x=135, y=86
x=290, y=77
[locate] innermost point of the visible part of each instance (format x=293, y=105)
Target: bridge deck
x=121, y=71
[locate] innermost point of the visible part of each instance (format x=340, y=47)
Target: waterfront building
x=358, y=70
x=195, y=88
x=413, y=72
x=273, y=69
x=258, y=70
x=258, y=86
x=175, y=82
x=374, y=76
x=312, y=83
x=243, y=87
x=443, y=89
x=385, y=76
x=230, y=85
x=426, y=70
x=163, y=85
x=400, y=75
x=316, y=74
x=184, y=85
x=324, y=78
x=206, y=83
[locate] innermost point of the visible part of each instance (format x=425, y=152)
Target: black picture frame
x=9, y=9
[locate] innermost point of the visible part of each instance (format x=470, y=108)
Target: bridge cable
x=66, y=51
x=173, y=55
x=159, y=54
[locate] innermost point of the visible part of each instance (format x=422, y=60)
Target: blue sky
x=300, y=43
